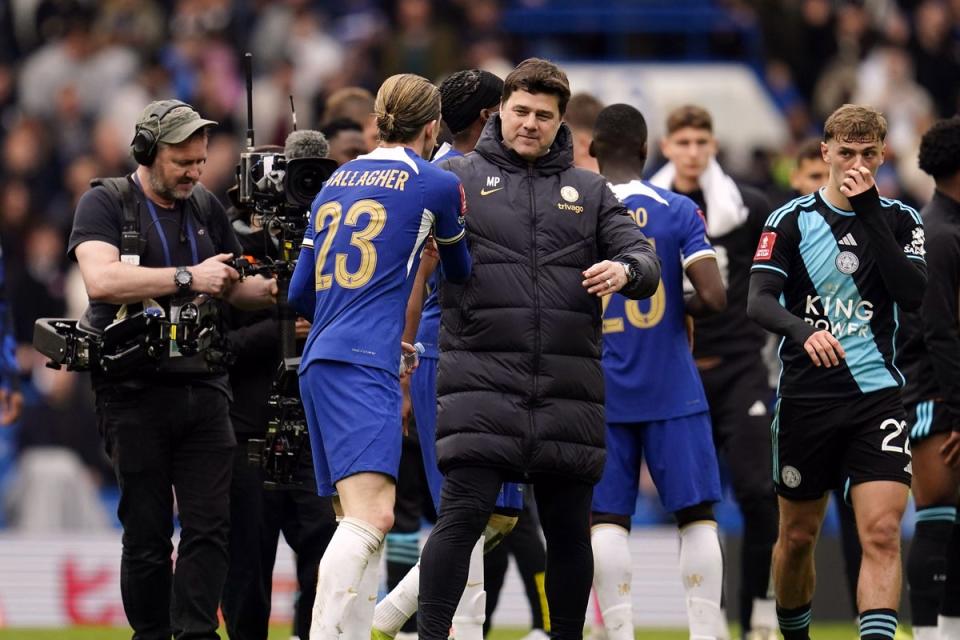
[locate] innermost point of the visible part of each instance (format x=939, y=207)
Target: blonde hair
x=855, y=123
x=405, y=103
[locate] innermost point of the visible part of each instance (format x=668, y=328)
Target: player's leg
x=466, y=502
x=614, y=500
x=400, y=604
x=564, y=507
x=311, y=525
x=878, y=470
x=879, y=507
x=402, y=546
x=526, y=545
x=357, y=447
x=808, y=447
x=794, y=577
x=495, y=564
x=948, y=623
x=683, y=463
x=935, y=494
x=739, y=395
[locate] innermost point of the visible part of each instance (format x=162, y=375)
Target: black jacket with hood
x=520, y=386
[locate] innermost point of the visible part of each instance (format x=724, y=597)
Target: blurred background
x=75, y=74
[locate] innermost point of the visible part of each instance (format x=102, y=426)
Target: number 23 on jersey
x=327, y=222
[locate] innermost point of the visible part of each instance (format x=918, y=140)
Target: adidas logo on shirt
x=848, y=240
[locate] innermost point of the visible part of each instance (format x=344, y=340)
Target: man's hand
x=604, y=278
x=951, y=450
x=430, y=255
x=301, y=328
x=824, y=349
x=11, y=403
x=213, y=277
x=409, y=365
x=856, y=181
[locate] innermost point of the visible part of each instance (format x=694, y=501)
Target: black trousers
x=167, y=441
x=258, y=516
x=466, y=501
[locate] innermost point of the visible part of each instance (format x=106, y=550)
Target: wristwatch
x=183, y=279
x=627, y=271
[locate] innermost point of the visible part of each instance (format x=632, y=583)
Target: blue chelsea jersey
x=648, y=368
x=428, y=333
x=361, y=249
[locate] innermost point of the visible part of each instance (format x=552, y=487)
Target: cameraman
x=165, y=429
x=258, y=515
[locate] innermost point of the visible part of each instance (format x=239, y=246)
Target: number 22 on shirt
x=328, y=221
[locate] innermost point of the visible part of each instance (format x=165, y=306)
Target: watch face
x=184, y=278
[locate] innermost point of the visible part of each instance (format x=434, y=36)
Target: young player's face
x=690, y=150
x=844, y=155
x=810, y=175
x=177, y=168
x=529, y=123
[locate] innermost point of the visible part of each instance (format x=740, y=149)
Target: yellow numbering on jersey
x=635, y=316
x=328, y=222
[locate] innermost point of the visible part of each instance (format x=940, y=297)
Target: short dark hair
x=940, y=149
x=582, y=110
x=539, y=76
x=332, y=128
x=689, y=115
x=809, y=149
x=620, y=131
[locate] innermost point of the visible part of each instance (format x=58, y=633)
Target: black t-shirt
x=731, y=333
x=99, y=217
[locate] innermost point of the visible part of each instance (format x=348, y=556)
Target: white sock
x=701, y=568
x=612, y=578
x=472, y=608
x=338, y=580
x=948, y=626
x=764, y=614
x=360, y=616
x=400, y=604
x=926, y=633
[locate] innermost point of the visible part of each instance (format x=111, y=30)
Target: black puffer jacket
x=520, y=385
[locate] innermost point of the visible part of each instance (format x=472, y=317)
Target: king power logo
x=841, y=317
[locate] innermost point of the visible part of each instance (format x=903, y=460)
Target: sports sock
x=612, y=577
x=927, y=563
x=338, y=580
x=795, y=623
x=471, y=610
x=701, y=568
x=361, y=614
x=878, y=624
x=399, y=605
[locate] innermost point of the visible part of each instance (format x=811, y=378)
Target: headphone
x=145, y=141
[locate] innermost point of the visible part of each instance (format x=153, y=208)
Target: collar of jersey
x=396, y=154
x=843, y=212
x=637, y=188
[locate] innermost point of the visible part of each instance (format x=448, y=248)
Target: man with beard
x=156, y=238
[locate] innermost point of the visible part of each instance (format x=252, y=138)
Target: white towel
x=725, y=208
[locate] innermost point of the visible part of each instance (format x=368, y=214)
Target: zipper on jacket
x=529, y=440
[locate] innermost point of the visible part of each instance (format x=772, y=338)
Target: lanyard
x=163, y=236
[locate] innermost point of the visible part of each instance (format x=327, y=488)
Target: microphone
x=306, y=143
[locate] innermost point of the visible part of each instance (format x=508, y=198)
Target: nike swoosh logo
x=485, y=192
